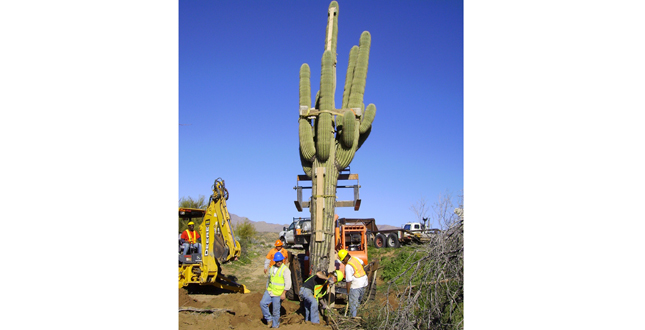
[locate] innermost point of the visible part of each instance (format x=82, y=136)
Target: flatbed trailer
x=388, y=237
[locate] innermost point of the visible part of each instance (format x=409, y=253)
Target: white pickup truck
x=419, y=229
x=287, y=234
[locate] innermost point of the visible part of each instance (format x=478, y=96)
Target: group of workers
x=314, y=287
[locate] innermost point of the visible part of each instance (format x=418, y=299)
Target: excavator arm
x=217, y=233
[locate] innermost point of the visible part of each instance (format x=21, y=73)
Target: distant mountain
x=259, y=225
x=275, y=228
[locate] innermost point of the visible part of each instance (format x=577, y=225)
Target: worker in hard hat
x=356, y=279
x=190, y=238
x=314, y=288
x=277, y=249
x=278, y=284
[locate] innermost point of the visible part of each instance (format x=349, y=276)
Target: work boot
x=269, y=323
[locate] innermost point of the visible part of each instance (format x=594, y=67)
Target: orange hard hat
x=278, y=243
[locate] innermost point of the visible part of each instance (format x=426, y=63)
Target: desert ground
x=246, y=313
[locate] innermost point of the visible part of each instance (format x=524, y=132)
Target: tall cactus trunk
x=321, y=252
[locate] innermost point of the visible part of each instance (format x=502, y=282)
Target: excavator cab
x=193, y=256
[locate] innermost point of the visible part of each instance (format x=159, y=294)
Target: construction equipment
x=351, y=237
x=218, y=244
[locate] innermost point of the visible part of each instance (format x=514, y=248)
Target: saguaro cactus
x=330, y=144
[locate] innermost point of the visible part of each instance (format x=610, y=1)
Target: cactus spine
x=321, y=151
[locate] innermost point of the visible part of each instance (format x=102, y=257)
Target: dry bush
x=428, y=291
x=432, y=296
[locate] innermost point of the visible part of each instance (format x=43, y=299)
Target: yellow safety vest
x=276, y=282
x=358, y=268
x=191, y=239
x=318, y=289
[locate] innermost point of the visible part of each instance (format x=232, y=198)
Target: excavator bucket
x=225, y=283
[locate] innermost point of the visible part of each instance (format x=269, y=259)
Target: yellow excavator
x=217, y=241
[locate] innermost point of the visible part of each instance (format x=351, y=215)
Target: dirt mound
x=246, y=312
x=185, y=300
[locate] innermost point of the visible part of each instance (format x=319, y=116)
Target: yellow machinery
x=218, y=244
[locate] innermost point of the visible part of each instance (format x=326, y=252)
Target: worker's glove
x=323, y=303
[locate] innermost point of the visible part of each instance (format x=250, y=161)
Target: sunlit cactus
x=331, y=143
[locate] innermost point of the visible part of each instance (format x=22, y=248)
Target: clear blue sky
x=238, y=99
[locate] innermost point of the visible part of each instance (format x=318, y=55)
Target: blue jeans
x=355, y=297
x=187, y=245
x=264, y=306
x=311, y=305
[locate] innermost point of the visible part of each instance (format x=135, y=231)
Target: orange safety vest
x=358, y=268
x=272, y=253
x=191, y=239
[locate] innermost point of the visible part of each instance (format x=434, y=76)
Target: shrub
x=245, y=233
x=189, y=202
x=245, y=230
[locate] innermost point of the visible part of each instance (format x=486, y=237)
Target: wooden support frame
x=320, y=202
x=356, y=203
x=310, y=113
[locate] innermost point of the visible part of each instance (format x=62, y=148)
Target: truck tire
x=379, y=241
x=290, y=295
x=392, y=241
x=284, y=241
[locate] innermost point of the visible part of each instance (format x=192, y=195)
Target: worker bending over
x=356, y=279
x=189, y=238
x=278, y=284
x=315, y=287
x=277, y=249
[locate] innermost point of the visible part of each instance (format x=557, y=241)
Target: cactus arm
x=306, y=164
x=327, y=82
x=347, y=134
x=324, y=128
x=353, y=54
x=368, y=118
x=344, y=155
x=307, y=148
x=305, y=85
x=360, y=72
